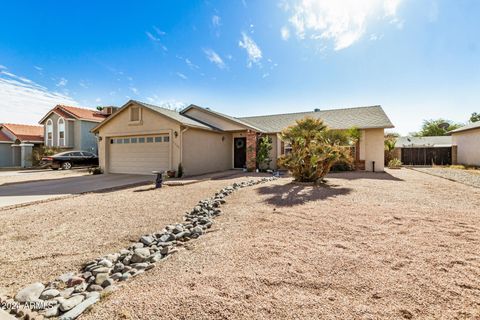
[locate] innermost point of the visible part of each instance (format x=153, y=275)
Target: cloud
x=24, y=101
x=38, y=68
x=216, y=21
x=151, y=36
x=253, y=51
x=2, y=67
x=159, y=32
x=62, y=82
x=181, y=75
x=156, y=39
x=285, y=32
x=213, y=57
x=134, y=90
x=343, y=22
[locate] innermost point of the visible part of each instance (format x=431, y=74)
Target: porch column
x=251, y=150
x=26, y=155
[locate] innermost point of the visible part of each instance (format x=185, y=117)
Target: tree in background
x=315, y=149
x=389, y=142
x=263, y=153
x=439, y=127
x=475, y=117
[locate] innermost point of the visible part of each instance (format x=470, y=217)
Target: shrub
x=315, y=149
x=39, y=152
x=263, y=153
x=394, y=163
x=180, y=171
x=95, y=170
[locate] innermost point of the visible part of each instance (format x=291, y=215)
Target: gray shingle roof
x=222, y=115
x=360, y=117
x=189, y=122
x=436, y=141
x=475, y=125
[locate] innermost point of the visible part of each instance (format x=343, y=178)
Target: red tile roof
x=25, y=132
x=4, y=137
x=81, y=113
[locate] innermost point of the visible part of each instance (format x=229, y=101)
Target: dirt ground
x=368, y=246
x=396, y=245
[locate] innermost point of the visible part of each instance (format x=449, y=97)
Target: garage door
x=139, y=154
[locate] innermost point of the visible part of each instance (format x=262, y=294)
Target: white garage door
x=139, y=154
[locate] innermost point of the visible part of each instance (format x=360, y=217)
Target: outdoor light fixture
x=223, y=138
x=175, y=133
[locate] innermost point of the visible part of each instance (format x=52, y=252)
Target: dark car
x=69, y=159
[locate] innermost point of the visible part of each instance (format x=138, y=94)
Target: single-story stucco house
x=17, y=142
x=424, y=150
x=69, y=128
x=466, y=144
x=140, y=138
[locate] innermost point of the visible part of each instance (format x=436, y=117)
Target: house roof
x=69, y=112
x=471, y=126
x=435, y=141
x=4, y=137
x=221, y=115
x=25, y=132
x=172, y=114
x=360, y=117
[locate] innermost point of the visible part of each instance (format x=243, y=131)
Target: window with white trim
x=61, y=132
x=49, y=135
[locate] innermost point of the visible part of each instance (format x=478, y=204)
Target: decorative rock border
x=68, y=296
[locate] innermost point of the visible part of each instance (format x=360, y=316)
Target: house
x=140, y=138
x=466, y=144
x=17, y=142
x=424, y=150
x=69, y=127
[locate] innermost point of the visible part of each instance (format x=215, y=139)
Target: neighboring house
x=141, y=138
x=17, y=142
x=424, y=150
x=466, y=144
x=69, y=127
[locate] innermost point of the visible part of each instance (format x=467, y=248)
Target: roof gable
x=69, y=112
x=361, y=117
x=171, y=114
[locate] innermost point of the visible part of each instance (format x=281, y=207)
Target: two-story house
x=67, y=127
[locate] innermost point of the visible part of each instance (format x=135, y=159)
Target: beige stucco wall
x=152, y=123
x=374, y=149
x=213, y=120
x=468, y=147
x=206, y=151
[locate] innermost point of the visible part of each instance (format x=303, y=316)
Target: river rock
x=30, y=293
x=70, y=303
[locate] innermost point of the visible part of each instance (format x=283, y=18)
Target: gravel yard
x=469, y=177
x=368, y=246
x=42, y=241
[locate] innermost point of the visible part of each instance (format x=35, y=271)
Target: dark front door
x=239, y=152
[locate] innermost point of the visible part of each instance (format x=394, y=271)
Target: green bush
x=263, y=153
x=394, y=163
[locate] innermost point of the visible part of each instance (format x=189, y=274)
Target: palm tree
x=315, y=149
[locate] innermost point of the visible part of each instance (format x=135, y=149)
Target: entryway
x=239, y=153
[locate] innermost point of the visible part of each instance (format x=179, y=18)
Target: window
x=49, y=133
x=126, y=140
x=135, y=114
x=149, y=139
x=119, y=141
x=288, y=148
x=87, y=154
x=141, y=140
x=61, y=132
x=166, y=139
x=158, y=139
x=133, y=140
x=76, y=154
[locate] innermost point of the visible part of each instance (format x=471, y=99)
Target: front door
x=239, y=152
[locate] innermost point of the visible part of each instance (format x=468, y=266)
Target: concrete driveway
x=22, y=193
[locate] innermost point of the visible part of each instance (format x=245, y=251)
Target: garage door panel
x=139, y=158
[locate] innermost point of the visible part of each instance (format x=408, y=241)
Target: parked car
x=67, y=160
